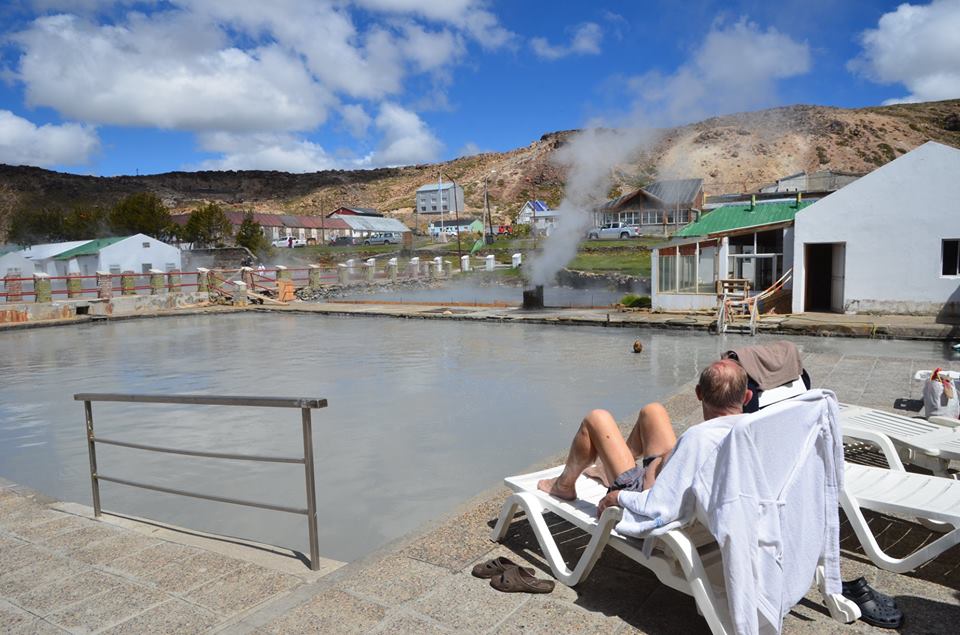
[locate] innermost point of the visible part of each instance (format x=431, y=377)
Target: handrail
x=305, y=404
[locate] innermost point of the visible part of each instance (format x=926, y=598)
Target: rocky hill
x=732, y=153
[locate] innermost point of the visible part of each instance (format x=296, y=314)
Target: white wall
x=131, y=255
x=892, y=221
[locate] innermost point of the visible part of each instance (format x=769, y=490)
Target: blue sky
x=107, y=88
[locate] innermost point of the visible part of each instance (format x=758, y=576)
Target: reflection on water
x=492, y=294
x=422, y=415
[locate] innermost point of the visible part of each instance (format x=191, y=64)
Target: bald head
x=723, y=386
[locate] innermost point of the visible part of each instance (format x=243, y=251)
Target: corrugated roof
x=373, y=224
x=363, y=211
x=677, y=191
x=90, y=248
x=733, y=217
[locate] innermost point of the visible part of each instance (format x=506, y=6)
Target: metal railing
x=304, y=404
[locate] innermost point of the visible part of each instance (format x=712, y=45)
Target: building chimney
x=753, y=201
x=799, y=198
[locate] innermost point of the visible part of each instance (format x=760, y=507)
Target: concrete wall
x=123, y=305
x=893, y=221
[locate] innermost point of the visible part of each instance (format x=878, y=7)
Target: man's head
x=723, y=388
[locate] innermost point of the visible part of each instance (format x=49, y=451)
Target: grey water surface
x=422, y=414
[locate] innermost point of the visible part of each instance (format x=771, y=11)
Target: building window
x=951, y=258
x=434, y=207
x=423, y=208
x=651, y=217
x=146, y=267
x=146, y=245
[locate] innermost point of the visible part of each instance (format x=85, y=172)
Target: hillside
x=732, y=153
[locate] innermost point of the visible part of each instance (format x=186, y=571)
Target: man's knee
x=654, y=412
x=598, y=417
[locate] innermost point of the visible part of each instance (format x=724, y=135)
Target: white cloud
x=469, y=15
x=283, y=152
x=917, y=46
x=736, y=68
x=406, y=139
x=24, y=143
x=585, y=40
x=356, y=119
x=165, y=73
x=469, y=149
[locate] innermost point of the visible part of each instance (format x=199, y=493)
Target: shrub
x=636, y=301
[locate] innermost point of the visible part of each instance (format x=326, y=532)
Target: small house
x=538, y=216
x=659, y=208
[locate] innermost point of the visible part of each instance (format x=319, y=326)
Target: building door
x=824, y=266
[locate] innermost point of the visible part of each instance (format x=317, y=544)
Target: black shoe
x=876, y=609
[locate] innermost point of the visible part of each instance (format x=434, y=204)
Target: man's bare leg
x=598, y=437
x=652, y=435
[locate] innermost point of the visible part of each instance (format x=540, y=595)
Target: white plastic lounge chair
x=927, y=444
x=896, y=491
x=686, y=559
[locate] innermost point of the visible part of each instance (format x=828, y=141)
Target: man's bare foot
x=552, y=487
x=597, y=473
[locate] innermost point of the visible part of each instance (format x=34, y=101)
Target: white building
x=138, y=253
x=449, y=199
x=539, y=216
x=888, y=242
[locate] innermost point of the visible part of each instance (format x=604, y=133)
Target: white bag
x=937, y=401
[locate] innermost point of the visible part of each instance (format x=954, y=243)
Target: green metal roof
x=732, y=217
x=91, y=248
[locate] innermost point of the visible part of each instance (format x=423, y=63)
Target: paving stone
x=63, y=592
x=544, y=616
x=331, y=611
x=13, y=619
x=45, y=568
x=10, y=542
x=19, y=556
x=403, y=624
x=123, y=602
x=456, y=542
x=25, y=517
x=45, y=530
x=242, y=589
x=146, y=563
x=81, y=538
x=465, y=603
x=119, y=545
x=396, y=579
x=174, y=617
x=195, y=571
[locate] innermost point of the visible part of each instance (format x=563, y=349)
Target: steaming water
x=553, y=296
x=422, y=415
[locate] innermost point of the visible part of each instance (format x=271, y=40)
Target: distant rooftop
x=432, y=187
x=734, y=217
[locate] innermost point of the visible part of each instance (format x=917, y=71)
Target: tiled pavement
x=60, y=572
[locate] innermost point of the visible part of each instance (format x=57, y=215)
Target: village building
x=306, y=229
x=662, y=207
x=820, y=181
x=538, y=215
x=748, y=242
x=439, y=198
x=139, y=253
x=354, y=211
x=361, y=226
x=888, y=242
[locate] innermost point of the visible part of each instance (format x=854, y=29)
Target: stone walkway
x=60, y=571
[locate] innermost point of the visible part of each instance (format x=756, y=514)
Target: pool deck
x=923, y=327
x=62, y=571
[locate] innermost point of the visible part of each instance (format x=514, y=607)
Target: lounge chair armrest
x=878, y=439
x=949, y=422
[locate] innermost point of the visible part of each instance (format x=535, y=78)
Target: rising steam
x=590, y=158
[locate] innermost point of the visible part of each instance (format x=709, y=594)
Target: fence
x=304, y=404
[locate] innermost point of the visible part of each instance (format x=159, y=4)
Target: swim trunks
x=632, y=479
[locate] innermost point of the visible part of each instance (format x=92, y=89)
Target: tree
x=8, y=206
x=250, y=235
x=84, y=222
x=208, y=225
x=142, y=213
x=30, y=226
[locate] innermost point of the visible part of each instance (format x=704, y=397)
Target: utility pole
x=456, y=211
x=486, y=205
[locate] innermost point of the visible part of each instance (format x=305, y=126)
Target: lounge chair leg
x=507, y=513
x=841, y=609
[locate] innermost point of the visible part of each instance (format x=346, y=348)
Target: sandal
x=876, y=609
x=517, y=580
x=495, y=567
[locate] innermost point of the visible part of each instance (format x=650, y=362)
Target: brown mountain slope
x=732, y=153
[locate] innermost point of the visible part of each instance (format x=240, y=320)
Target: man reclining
x=722, y=390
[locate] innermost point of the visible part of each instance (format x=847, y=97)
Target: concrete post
x=173, y=281
x=13, y=286
x=371, y=269
x=239, y=294
x=203, y=280
x=104, y=285
x=351, y=267
x=436, y=269
x=156, y=282
x=343, y=273
x=313, y=277
x=425, y=267
x=74, y=286
x=284, y=273
x=447, y=268
x=128, y=281
x=438, y=262
x=414, y=266
x=392, y=269
x=488, y=263
x=464, y=263
x=517, y=259
x=41, y=288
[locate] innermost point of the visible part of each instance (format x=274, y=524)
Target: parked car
x=384, y=238
x=342, y=240
x=290, y=241
x=612, y=231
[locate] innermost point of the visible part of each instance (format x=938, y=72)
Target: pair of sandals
x=876, y=608
x=507, y=576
